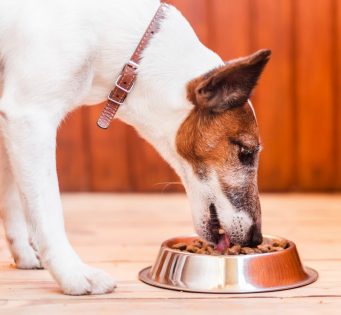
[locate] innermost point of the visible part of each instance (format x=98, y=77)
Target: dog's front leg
x=30, y=142
x=14, y=218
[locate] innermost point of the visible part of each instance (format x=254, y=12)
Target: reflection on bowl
x=183, y=271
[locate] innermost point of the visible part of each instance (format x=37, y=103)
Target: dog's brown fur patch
x=209, y=140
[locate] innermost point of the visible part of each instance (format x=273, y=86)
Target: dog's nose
x=255, y=236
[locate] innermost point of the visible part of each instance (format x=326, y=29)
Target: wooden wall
x=297, y=102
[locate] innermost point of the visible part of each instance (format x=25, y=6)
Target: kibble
x=198, y=246
x=247, y=251
x=234, y=250
x=180, y=246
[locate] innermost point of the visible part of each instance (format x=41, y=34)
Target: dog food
x=198, y=246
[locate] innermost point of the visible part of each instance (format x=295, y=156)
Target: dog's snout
x=255, y=236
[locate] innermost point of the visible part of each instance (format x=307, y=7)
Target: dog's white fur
x=57, y=55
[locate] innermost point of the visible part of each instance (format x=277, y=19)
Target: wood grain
x=123, y=236
x=337, y=85
x=148, y=171
x=110, y=169
x=274, y=96
x=230, y=28
x=315, y=95
x=73, y=156
x=315, y=305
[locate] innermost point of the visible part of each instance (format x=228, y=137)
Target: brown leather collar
x=126, y=79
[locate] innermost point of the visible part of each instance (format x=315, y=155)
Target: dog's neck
x=158, y=104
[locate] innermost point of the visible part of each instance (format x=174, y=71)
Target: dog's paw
x=27, y=258
x=86, y=280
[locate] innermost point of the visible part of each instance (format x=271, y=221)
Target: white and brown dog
x=190, y=105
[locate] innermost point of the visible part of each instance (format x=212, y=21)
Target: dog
x=188, y=103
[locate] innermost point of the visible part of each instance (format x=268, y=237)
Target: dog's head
x=219, y=140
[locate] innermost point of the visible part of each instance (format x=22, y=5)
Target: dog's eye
x=246, y=156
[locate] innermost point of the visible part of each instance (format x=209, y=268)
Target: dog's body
x=57, y=55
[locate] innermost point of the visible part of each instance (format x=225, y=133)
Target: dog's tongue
x=224, y=243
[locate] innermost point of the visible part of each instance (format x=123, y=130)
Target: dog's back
x=34, y=34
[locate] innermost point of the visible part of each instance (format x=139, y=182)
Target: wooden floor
x=122, y=233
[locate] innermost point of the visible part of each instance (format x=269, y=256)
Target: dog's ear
x=228, y=86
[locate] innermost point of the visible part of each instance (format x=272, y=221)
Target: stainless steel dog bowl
x=184, y=271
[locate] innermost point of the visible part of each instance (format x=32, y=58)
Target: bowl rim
x=165, y=246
